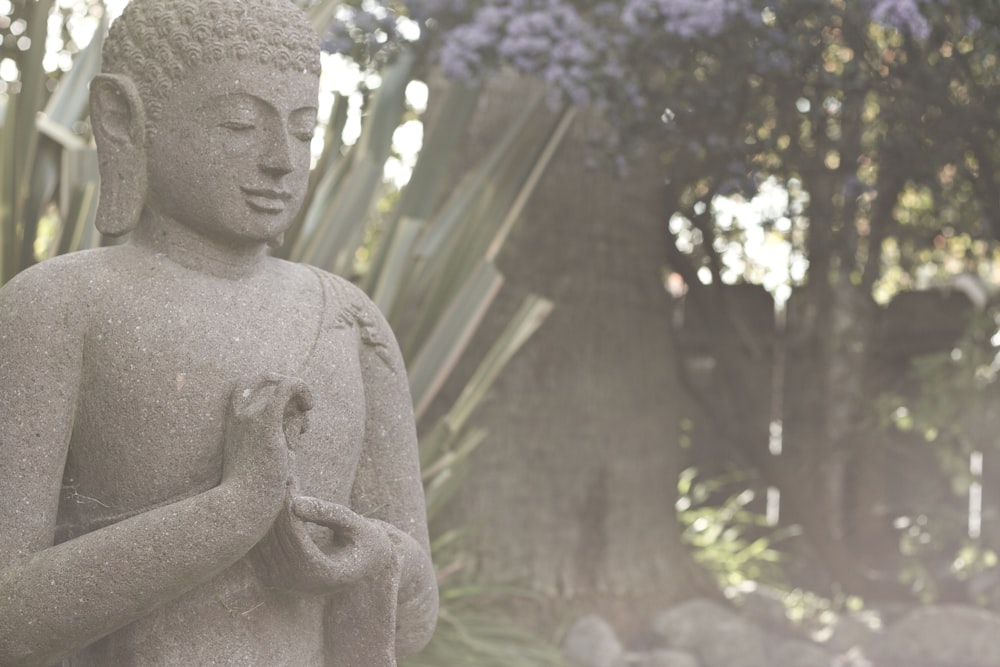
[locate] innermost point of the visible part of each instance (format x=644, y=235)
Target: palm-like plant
x=431, y=266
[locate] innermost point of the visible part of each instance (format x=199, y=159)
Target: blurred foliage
x=958, y=388
x=876, y=146
x=424, y=252
x=731, y=540
x=809, y=146
x=837, y=161
x=949, y=407
x=469, y=630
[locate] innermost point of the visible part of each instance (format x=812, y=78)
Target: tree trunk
x=573, y=493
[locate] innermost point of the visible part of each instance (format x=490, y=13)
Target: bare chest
x=159, y=365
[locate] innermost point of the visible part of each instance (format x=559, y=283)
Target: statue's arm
x=388, y=486
x=55, y=600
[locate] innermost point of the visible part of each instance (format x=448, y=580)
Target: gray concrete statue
x=207, y=455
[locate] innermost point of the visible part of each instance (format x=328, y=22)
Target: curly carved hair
x=154, y=42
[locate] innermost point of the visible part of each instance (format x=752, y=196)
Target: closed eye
x=236, y=125
x=302, y=124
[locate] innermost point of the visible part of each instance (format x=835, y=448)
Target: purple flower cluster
x=903, y=15
x=585, y=49
x=619, y=56
x=366, y=33
x=548, y=38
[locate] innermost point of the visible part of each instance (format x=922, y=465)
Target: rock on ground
x=946, y=635
x=798, y=653
x=668, y=658
x=849, y=632
x=690, y=624
x=734, y=643
x=717, y=635
x=591, y=642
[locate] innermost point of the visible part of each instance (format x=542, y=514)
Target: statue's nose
x=276, y=154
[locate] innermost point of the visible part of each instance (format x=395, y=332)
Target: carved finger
x=344, y=522
x=253, y=397
x=293, y=395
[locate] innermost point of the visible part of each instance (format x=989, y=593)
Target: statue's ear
x=116, y=112
x=119, y=124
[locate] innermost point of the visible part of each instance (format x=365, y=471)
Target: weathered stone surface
x=733, y=643
x=798, y=653
x=718, y=636
x=849, y=632
x=591, y=642
x=207, y=455
x=945, y=635
x=668, y=658
x=690, y=624
x=765, y=606
x=714, y=636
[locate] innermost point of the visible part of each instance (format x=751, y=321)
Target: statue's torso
x=162, y=350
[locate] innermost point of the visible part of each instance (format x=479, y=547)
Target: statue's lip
x=267, y=193
x=266, y=200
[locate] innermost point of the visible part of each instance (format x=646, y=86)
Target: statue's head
x=204, y=110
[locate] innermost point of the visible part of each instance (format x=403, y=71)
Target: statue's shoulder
x=63, y=278
x=57, y=296
x=348, y=307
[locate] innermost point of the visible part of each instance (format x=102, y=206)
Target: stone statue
x=207, y=455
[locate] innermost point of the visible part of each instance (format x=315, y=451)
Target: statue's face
x=230, y=155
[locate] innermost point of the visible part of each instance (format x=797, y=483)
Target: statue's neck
x=163, y=235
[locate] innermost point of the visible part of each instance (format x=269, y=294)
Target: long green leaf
x=63, y=156
x=436, y=359
x=324, y=180
x=321, y=15
x=468, y=223
x=331, y=228
x=450, y=473
x=545, y=156
x=397, y=260
x=29, y=101
x=335, y=221
x=532, y=313
x=79, y=231
x=455, y=456
x=478, y=181
x=78, y=199
x=69, y=101
x=431, y=174
x=8, y=189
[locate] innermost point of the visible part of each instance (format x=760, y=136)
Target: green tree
x=882, y=142
x=871, y=126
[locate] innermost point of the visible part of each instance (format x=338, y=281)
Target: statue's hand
x=265, y=419
x=315, y=546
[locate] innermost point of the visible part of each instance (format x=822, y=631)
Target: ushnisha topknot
x=154, y=42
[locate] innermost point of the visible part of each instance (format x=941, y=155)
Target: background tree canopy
x=836, y=154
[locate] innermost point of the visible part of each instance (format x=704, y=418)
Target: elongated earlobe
x=119, y=125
